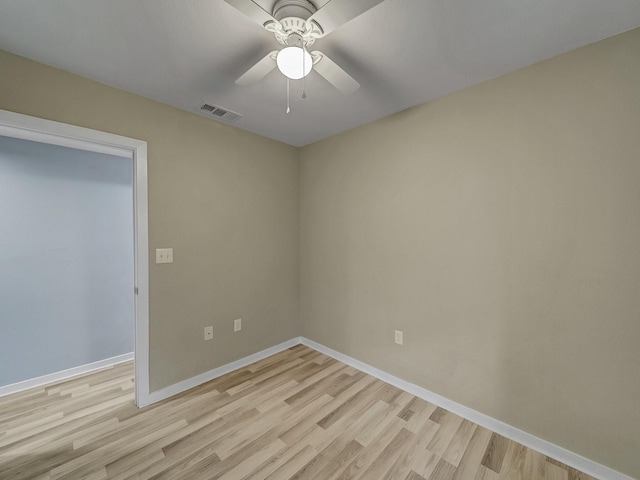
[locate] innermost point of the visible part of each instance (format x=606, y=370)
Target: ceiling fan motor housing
x=293, y=8
x=292, y=16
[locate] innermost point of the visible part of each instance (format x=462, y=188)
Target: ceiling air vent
x=219, y=112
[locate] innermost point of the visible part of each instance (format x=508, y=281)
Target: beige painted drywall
x=224, y=199
x=499, y=228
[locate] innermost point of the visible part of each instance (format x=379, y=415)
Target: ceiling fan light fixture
x=290, y=62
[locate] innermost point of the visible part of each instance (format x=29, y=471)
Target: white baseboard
x=546, y=448
x=57, y=376
x=217, y=372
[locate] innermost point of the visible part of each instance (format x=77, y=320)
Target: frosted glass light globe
x=289, y=61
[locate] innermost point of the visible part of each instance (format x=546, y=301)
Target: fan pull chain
x=304, y=90
x=288, y=107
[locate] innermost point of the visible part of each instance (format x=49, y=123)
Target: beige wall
x=224, y=199
x=499, y=228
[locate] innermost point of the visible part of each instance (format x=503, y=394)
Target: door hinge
x=135, y=290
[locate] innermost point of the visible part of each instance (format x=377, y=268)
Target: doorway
x=24, y=127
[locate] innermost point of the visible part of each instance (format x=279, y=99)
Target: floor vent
x=218, y=112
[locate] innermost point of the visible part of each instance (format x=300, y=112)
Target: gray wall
x=66, y=258
x=499, y=228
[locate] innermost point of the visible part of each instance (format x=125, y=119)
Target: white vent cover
x=218, y=112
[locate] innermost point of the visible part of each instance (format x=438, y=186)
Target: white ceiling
x=403, y=52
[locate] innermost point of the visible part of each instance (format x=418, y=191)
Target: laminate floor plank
x=470, y=462
x=288, y=469
x=298, y=414
x=412, y=452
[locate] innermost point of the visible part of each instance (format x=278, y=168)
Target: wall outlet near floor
x=237, y=325
x=208, y=333
x=164, y=255
x=398, y=337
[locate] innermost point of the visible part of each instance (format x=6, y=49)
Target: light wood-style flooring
x=295, y=415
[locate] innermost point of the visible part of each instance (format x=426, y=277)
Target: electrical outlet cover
x=164, y=255
x=208, y=333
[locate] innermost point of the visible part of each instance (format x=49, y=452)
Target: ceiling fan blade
x=259, y=70
x=335, y=75
x=338, y=12
x=253, y=11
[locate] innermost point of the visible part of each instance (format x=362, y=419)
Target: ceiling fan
x=297, y=24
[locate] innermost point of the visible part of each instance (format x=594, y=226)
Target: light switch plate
x=164, y=255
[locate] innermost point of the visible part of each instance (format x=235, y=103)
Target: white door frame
x=46, y=131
